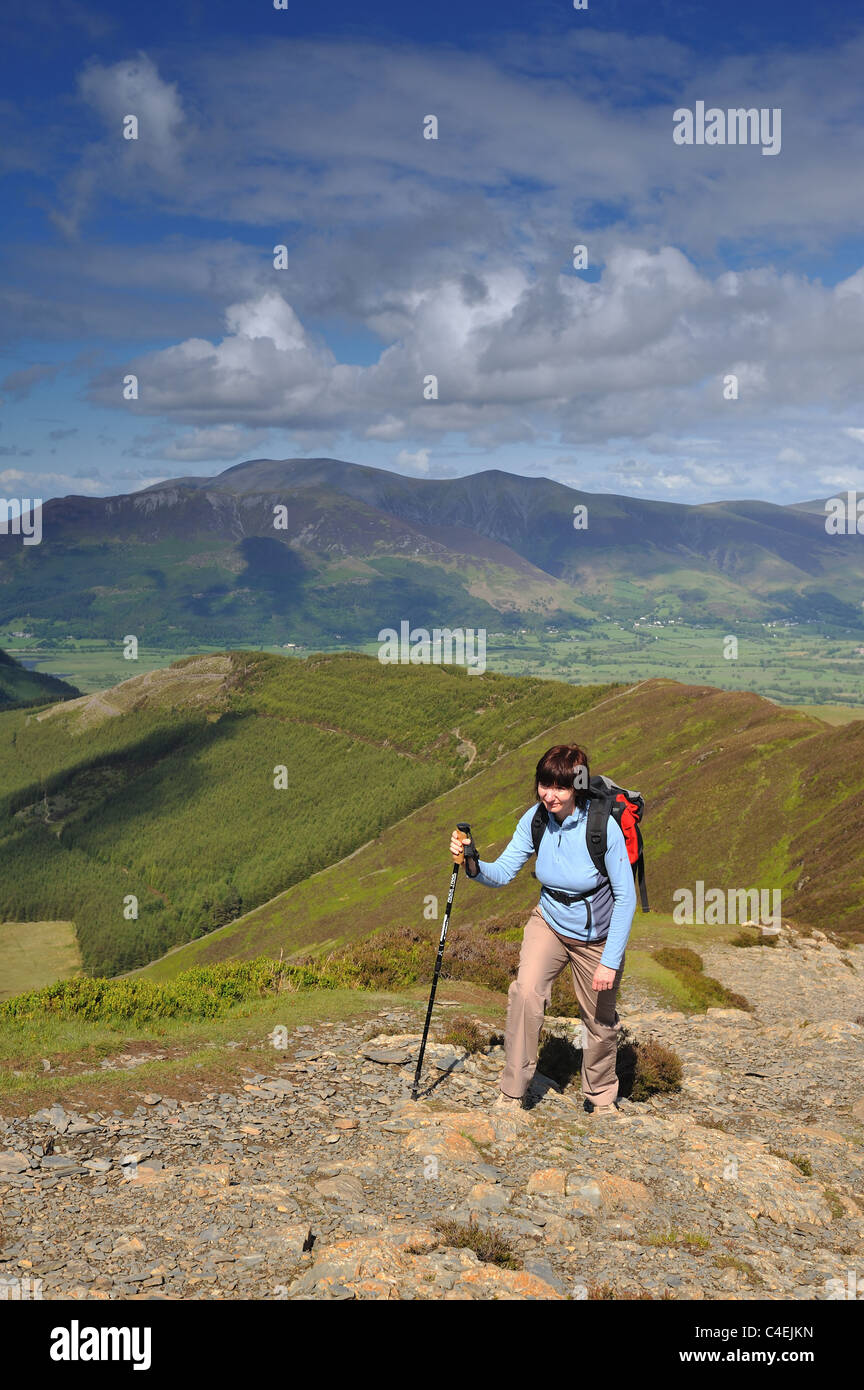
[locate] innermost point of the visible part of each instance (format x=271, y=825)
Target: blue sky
x=409, y=257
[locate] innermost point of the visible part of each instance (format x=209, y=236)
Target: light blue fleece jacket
x=563, y=862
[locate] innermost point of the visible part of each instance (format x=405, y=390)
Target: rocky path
x=322, y=1179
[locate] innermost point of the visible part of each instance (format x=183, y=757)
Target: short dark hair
x=557, y=768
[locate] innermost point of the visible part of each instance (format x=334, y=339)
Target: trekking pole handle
x=469, y=857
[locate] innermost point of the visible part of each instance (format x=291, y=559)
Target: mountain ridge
x=209, y=558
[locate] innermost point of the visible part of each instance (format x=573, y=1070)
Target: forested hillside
x=168, y=787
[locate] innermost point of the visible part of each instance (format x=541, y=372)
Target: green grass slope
x=207, y=788
x=20, y=688
x=741, y=794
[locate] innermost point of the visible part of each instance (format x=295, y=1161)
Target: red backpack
x=607, y=799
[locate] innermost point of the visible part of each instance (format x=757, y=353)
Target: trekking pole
x=470, y=852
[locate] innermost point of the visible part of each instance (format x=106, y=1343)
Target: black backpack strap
x=538, y=826
x=639, y=872
x=599, y=810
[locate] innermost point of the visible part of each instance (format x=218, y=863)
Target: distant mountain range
x=199, y=559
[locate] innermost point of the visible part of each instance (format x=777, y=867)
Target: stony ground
x=323, y=1179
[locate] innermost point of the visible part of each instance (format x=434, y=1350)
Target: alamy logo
x=737, y=126
x=77, y=1343
x=21, y=516
x=417, y=646
x=844, y=516
x=716, y=908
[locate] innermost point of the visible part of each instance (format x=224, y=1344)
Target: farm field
x=801, y=665
x=33, y=954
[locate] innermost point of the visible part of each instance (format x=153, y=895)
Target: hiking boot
x=505, y=1102
x=601, y=1111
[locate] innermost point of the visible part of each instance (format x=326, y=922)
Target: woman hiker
x=581, y=917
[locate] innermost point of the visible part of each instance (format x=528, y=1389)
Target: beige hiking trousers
x=543, y=956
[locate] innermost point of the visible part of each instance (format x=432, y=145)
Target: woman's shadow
x=560, y=1062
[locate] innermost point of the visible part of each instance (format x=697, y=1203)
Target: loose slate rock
x=341, y=1189
x=393, y=1056
x=14, y=1163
